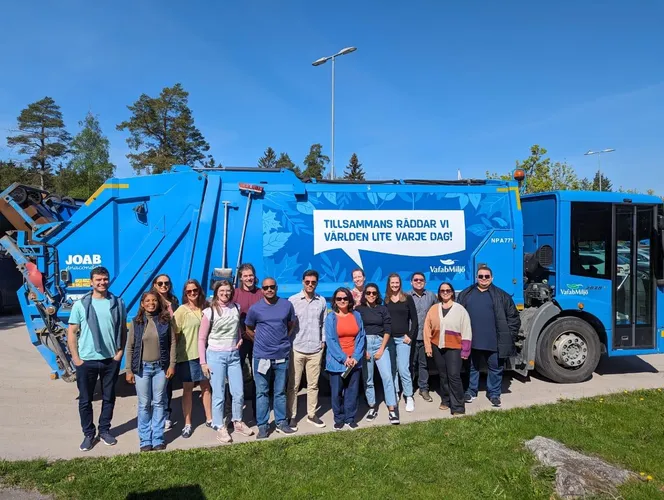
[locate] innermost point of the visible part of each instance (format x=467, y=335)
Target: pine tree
x=90, y=166
x=268, y=160
x=42, y=136
x=284, y=161
x=314, y=162
x=163, y=132
x=354, y=170
x=607, y=185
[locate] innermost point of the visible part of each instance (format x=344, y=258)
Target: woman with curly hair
x=150, y=363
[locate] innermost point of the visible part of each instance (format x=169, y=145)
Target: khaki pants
x=312, y=364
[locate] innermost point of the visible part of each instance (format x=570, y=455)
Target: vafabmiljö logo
x=574, y=289
x=448, y=266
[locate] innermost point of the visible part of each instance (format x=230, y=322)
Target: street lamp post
x=323, y=60
x=599, y=166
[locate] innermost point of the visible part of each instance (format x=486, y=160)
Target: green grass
x=480, y=456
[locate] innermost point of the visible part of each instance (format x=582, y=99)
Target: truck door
x=633, y=276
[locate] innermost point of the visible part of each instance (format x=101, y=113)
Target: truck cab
x=593, y=270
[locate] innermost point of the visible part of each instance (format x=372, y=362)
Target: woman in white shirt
x=219, y=344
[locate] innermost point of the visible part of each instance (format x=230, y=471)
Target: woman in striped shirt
x=220, y=333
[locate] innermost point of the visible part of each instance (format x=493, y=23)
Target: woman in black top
x=378, y=326
x=404, y=332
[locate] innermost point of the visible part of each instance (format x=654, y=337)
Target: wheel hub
x=570, y=350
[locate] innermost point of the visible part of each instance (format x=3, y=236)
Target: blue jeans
x=384, y=367
x=86, y=378
x=280, y=371
x=494, y=380
x=345, y=396
x=151, y=392
x=225, y=365
x=400, y=359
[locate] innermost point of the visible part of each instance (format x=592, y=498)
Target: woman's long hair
x=379, y=298
x=170, y=296
x=388, y=289
x=351, y=302
x=215, y=300
x=201, y=302
x=163, y=316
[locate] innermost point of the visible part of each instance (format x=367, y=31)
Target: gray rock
x=578, y=475
x=7, y=493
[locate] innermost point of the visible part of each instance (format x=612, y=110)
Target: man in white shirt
x=308, y=346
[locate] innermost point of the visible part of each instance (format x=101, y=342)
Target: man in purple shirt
x=269, y=323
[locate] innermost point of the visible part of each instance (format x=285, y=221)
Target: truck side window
x=590, y=226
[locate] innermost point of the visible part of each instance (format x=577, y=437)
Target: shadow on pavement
x=10, y=321
x=623, y=365
x=191, y=492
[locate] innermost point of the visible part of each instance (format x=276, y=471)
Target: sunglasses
x=484, y=276
x=310, y=282
x=418, y=280
x=445, y=291
x=192, y=292
x=163, y=283
x=371, y=293
x=269, y=287
x=341, y=299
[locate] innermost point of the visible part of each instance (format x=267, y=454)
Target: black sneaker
x=159, y=447
x=338, y=427
x=292, y=424
x=316, y=421
x=373, y=413
x=352, y=426
x=469, y=398
x=107, y=439
x=285, y=429
x=186, y=432
x=425, y=395
x=211, y=426
x=88, y=443
x=146, y=448
x=495, y=401
x=262, y=432
x=393, y=418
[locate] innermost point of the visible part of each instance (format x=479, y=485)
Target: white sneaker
x=223, y=436
x=410, y=403
x=168, y=425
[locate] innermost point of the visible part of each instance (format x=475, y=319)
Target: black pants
x=247, y=351
x=420, y=365
x=448, y=362
x=106, y=370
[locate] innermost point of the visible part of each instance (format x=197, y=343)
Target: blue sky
x=434, y=86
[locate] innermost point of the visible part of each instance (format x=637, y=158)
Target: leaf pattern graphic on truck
x=288, y=233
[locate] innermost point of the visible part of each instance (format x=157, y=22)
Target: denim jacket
x=335, y=357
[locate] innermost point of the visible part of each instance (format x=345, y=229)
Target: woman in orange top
x=345, y=340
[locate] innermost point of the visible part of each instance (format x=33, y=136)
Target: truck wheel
x=568, y=351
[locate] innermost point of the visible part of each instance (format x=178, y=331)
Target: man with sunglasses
x=308, y=346
x=424, y=300
x=495, y=323
x=269, y=323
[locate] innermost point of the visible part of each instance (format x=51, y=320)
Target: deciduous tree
x=162, y=132
x=42, y=136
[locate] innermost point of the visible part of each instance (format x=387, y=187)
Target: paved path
x=39, y=416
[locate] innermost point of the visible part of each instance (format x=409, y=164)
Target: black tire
x=545, y=363
x=20, y=195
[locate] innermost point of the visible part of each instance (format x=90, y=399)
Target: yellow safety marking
x=96, y=194
x=519, y=307
x=516, y=192
x=662, y=333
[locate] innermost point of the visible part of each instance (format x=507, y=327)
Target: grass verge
x=480, y=456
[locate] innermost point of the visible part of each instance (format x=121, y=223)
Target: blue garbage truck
x=585, y=269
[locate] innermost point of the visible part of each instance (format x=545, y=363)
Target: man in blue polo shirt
x=268, y=323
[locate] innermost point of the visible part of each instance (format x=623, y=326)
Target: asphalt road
x=39, y=416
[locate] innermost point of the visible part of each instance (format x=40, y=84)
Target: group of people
x=209, y=342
